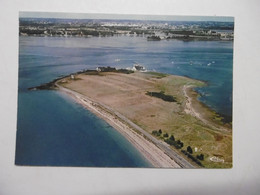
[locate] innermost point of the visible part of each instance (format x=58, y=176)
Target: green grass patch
x=157, y=75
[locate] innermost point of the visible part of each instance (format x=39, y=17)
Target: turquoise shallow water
x=54, y=130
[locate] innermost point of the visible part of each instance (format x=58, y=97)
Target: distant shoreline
x=178, y=38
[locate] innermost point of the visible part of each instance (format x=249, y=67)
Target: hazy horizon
x=63, y=15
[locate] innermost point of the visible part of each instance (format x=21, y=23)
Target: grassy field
x=127, y=94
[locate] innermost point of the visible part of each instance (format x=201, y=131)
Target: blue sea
x=53, y=130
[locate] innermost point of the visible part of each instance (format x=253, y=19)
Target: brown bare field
x=187, y=119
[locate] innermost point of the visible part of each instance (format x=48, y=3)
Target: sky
x=122, y=16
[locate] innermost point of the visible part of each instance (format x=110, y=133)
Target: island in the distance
x=158, y=113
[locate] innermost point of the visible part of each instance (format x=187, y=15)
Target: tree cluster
x=194, y=159
x=178, y=145
x=161, y=95
x=153, y=38
x=157, y=133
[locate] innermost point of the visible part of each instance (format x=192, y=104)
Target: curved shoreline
x=189, y=109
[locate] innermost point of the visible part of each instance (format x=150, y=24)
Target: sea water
x=52, y=129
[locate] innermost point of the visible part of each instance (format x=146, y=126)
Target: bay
x=54, y=130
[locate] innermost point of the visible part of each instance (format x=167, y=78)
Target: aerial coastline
x=173, y=108
x=155, y=149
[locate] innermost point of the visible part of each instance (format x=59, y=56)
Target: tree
x=189, y=149
x=160, y=131
x=172, y=138
x=155, y=132
x=179, y=144
x=165, y=135
x=200, y=157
